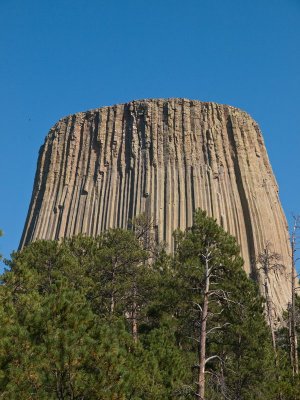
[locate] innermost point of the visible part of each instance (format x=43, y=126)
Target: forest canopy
x=116, y=317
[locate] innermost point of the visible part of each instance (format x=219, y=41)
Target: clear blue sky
x=63, y=56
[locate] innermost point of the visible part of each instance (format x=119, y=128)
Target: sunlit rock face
x=163, y=157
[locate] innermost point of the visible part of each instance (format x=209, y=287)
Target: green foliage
x=60, y=337
x=68, y=311
x=288, y=385
x=244, y=367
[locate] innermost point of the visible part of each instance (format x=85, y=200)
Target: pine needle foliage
x=109, y=318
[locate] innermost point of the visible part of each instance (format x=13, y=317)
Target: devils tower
x=165, y=158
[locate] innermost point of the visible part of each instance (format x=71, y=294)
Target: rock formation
x=165, y=157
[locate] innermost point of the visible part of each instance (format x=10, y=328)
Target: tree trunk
x=222, y=381
x=290, y=335
x=112, y=295
x=200, y=393
x=294, y=345
x=134, y=315
x=269, y=308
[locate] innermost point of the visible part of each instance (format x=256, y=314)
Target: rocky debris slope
x=163, y=157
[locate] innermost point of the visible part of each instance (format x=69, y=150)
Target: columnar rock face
x=166, y=158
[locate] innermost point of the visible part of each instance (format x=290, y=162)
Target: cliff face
x=166, y=158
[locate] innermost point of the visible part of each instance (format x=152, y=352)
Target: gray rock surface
x=165, y=157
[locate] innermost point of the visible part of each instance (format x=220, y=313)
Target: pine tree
x=211, y=269
x=92, y=318
x=56, y=344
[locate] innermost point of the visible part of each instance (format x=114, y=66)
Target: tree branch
x=212, y=358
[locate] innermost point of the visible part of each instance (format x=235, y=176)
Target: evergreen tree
x=92, y=318
x=289, y=384
x=54, y=341
x=50, y=347
x=226, y=308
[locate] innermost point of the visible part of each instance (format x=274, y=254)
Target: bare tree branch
x=212, y=358
x=217, y=328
